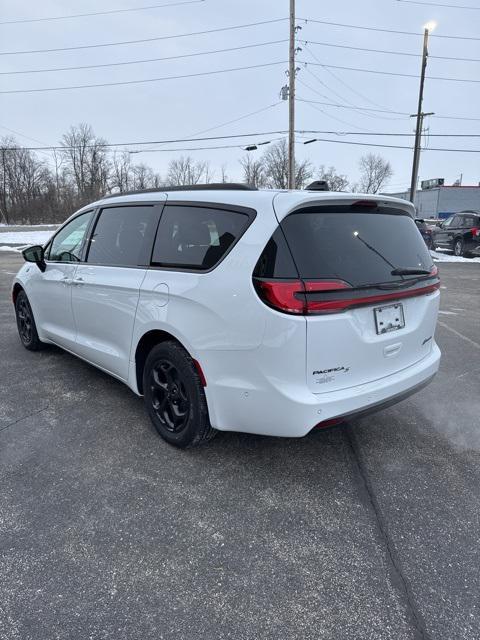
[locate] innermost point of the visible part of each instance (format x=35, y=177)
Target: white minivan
x=235, y=309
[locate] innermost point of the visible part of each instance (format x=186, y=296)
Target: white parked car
x=268, y=312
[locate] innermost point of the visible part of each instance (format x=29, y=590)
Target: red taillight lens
x=475, y=232
x=297, y=296
x=282, y=294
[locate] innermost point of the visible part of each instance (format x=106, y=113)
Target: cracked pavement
x=369, y=531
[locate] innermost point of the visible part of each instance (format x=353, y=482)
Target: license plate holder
x=389, y=318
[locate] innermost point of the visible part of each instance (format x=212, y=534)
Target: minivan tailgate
x=345, y=350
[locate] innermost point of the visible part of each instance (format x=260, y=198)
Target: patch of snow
x=29, y=226
x=25, y=237
x=440, y=256
x=4, y=247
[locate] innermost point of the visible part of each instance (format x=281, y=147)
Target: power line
x=345, y=84
x=383, y=30
x=127, y=62
x=314, y=106
x=155, y=39
x=225, y=146
x=345, y=106
x=99, y=13
x=351, y=104
x=390, y=52
x=130, y=82
x=401, y=113
x=224, y=124
x=107, y=145
x=150, y=142
x=387, y=73
x=247, y=115
x=438, y=4
x=392, y=146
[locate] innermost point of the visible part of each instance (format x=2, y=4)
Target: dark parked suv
x=460, y=233
x=426, y=231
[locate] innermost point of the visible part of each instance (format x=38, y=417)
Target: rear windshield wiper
x=410, y=271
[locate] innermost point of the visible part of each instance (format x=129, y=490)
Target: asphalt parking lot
x=368, y=531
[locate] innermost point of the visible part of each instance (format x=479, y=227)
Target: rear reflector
x=329, y=423
x=201, y=375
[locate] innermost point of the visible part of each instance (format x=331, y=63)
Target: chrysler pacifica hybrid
x=268, y=312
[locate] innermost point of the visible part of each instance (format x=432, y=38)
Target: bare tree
x=223, y=173
x=253, y=171
x=86, y=159
x=336, y=181
x=121, y=173
x=275, y=166
x=24, y=182
x=185, y=170
x=375, y=172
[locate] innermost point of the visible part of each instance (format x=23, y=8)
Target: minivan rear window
x=362, y=247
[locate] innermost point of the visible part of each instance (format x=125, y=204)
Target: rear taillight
x=282, y=295
x=313, y=297
x=291, y=296
x=475, y=232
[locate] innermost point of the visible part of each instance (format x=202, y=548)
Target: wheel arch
x=17, y=287
x=144, y=346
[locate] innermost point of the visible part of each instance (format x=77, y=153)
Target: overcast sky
x=183, y=107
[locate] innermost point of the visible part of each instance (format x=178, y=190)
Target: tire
x=175, y=398
x=459, y=247
x=27, y=329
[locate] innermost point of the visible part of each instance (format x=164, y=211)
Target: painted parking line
x=460, y=335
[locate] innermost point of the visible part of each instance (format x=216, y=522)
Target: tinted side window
x=276, y=260
x=196, y=237
x=468, y=222
x=66, y=246
x=122, y=236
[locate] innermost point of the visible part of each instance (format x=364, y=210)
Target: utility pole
x=419, y=116
x=291, y=100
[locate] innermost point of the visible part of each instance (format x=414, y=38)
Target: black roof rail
x=318, y=185
x=213, y=186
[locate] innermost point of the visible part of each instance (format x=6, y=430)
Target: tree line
x=33, y=190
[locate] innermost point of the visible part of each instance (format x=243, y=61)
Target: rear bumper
x=276, y=411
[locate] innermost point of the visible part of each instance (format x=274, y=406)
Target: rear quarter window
x=197, y=237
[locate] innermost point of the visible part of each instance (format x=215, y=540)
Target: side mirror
x=35, y=254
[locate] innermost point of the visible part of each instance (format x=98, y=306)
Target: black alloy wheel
x=459, y=247
x=170, y=400
x=27, y=329
x=174, y=396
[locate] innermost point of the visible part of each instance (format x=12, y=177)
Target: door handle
x=66, y=280
x=77, y=281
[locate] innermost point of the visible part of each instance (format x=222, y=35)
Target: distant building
x=436, y=200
